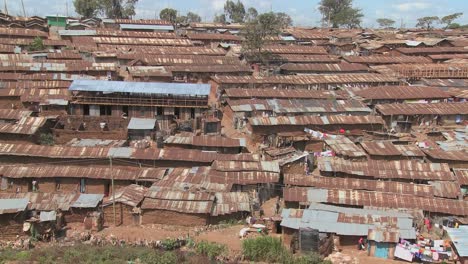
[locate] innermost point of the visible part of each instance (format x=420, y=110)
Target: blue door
x=381, y=249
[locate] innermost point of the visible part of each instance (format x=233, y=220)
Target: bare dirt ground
x=363, y=258
x=147, y=232
x=228, y=236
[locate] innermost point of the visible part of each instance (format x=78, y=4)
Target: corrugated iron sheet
x=380, y=148
x=206, y=141
x=45, y=201
x=137, y=21
x=20, y=32
x=446, y=155
x=360, y=184
x=24, y=126
x=13, y=205
x=231, y=202
x=314, y=120
x=272, y=93
x=386, y=59
x=424, y=109
x=210, y=68
x=404, y=169
x=193, y=60
x=12, y=114
x=94, y=172
x=267, y=166
x=461, y=176
x=142, y=41
x=305, y=58
x=179, y=201
x=307, y=79
x=104, y=32
x=294, y=49
x=210, y=36
x=318, y=67
x=136, y=51
x=446, y=189
x=343, y=146
x=131, y=195
x=379, y=235
x=86, y=200
x=432, y=50
x=402, y=92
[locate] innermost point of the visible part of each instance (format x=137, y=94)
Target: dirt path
x=228, y=236
x=148, y=232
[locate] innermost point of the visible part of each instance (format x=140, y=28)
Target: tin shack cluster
x=358, y=136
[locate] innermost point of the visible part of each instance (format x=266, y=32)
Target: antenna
x=6, y=6
x=24, y=10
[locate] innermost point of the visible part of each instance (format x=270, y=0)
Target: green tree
x=235, y=11
x=448, y=20
x=385, y=22
x=284, y=20
x=427, y=22
x=36, y=45
x=118, y=8
x=252, y=14
x=193, y=18
x=454, y=26
x=86, y=8
x=340, y=13
x=257, y=33
x=220, y=19
x=168, y=14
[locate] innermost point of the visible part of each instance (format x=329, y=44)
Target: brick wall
x=174, y=218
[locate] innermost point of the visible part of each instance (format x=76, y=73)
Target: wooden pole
x=113, y=191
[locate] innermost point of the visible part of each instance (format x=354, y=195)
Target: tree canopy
x=221, y=18
x=108, y=8
x=235, y=11
x=427, y=22
x=448, y=20
x=168, y=14
x=193, y=18
x=252, y=14
x=87, y=8
x=260, y=29
x=340, y=13
x=385, y=22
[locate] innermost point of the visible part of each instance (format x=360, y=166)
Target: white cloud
x=404, y=7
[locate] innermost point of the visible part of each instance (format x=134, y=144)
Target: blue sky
x=303, y=12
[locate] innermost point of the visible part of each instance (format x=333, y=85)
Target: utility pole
x=6, y=6
x=66, y=6
x=113, y=191
x=24, y=10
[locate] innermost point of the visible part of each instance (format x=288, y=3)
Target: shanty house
x=138, y=99
x=141, y=128
x=12, y=216
x=127, y=206
x=401, y=94
x=401, y=117
x=206, y=143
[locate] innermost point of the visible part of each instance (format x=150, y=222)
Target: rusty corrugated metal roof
x=265, y=166
x=319, y=67
x=20, y=32
x=272, y=93
x=104, y=32
x=170, y=60
x=294, y=49
x=210, y=68
x=231, y=202
x=439, y=154
x=380, y=148
x=402, y=92
x=142, y=41
x=179, y=201
x=24, y=126
x=131, y=195
x=432, y=50
x=307, y=79
x=462, y=176
x=212, y=36
x=359, y=184
x=13, y=114
x=446, y=189
x=386, y=59
x=314, y=120
x=424, y=109
x=343, y=146
x=206, y=141
x=402, y=169
x=305, y=58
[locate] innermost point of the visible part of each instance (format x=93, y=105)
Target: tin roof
x=294, y=49
x=330, y=221
x=402, y=92
x=14, y=205
x=136, y=21
x=210, y=36
x=183, y=60
x=446, y=189
x=376, y=199
x=265, y=166
x=387, y=148
x=141, y=123
x=206, y=141
x=13, y=114
x=446, y=155
x=375, y=59
x=24, y=126
x=360, y=184
x=423, y=109
x=307, y=79
x=283, y=93
x=146, y=27
x=402, y=169
x=305, y=120
x=318, y=67
x=140, y=87
x=210, y=68
x=432, y=50
x=459, y=237
x=131, y=195
x=462, y=176
x=231, y=202
x=142, y=41
x=20, y=32
x=343, y=146
x=86, y=200
x=163, y=50
x=105, y=32
x=306, y=58
x=93, y=172
x=179, y=201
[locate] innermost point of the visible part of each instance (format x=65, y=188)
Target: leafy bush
x=270, y=249
x=46, y=139
x=36, y=45
x=210, y=249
